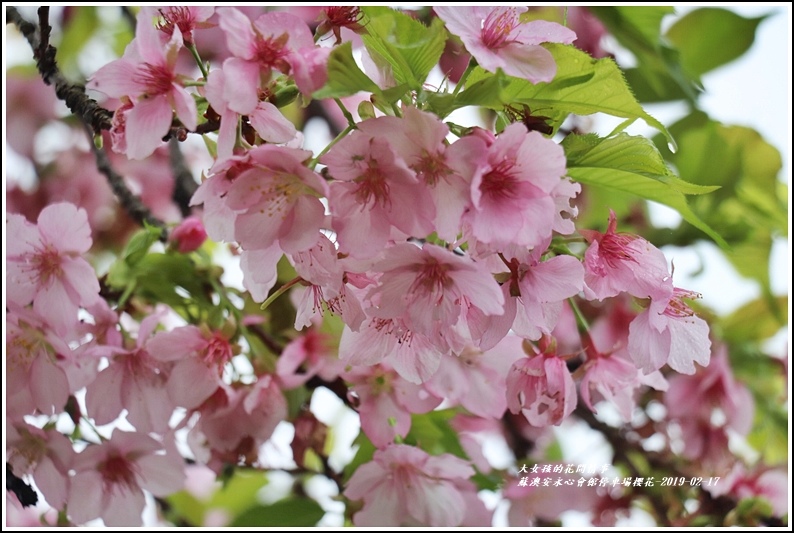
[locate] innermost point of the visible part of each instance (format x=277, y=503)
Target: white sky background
x=754, y=91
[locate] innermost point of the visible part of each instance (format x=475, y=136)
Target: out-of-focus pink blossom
x=46, y=455
x=44, y=264
x=529, y=503
x=134, y=381
x=189, y=235
x=477, y=380
x=110, y=479
x=403, y=485
x=768, y=483
x=199, y=357
x=497, y=38
x=386, y=402
x=312, y=352
x=236, y=421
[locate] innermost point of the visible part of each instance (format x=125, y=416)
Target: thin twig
x=184, y=184
x=74, y=95
x=130, y=202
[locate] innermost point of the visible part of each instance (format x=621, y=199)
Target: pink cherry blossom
x=424, y=286
x=264, y=117
x=189, y=235
x=617, y=381
x=414, y=356
x=277, y=199
x=403, y=485
x=274, y=41
x=46, y=455
x=374, y=193
x=110, y=479
x=771, y=484
x=199, y=357
x=512, y=187
x=146, y=76
x=477, y=380
x=529, y=503
x=542, y=389
x=617, y=262
x=444, y=171
x=386, y=402
x=44, y=264
x=669, y=332
x=134, y=381
x=236, y=421
x=36, y=379
x=186, y=18
x=497, y=38
x=312, y=352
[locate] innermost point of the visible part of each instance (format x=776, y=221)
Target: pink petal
x=147, y=123
x=270, y=124
x=185, y=106
x=66, y=226
x=242, y=83
x=240, y=37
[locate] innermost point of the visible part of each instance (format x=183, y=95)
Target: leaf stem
x=281, y=290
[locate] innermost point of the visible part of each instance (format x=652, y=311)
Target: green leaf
x=755, y=321
x=658, y=76
x=240, y=492
x=403, y=44
x=631, y=164
x=582, y=85
x=185, y=507
x=139, y=244
x=344, y=76
x=291, y=512
x=82, y=26
x=711, y=37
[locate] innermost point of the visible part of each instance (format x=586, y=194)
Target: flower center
x=431, y=168
x=156, y=78
x=118, y=472
x=500, y=183
x=432, y=278
x=270, y=52
x=372, y=186
x=179, y=17
x=47, y=263
x=497, y=26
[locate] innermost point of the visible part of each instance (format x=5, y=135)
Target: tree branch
x=184, y=184
x=75, y=97
x=130, y=202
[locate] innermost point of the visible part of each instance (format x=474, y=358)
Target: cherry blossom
x=386, y=402
x=497, y=38
x=189, y=235
x=511, y=189
x=110, y=479
x=406, y=486
x=146, y=76
x=670, y=332
x=617, y=262
x=542, y=389
x=44, y=264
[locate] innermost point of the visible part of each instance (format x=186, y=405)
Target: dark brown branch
x=93, y=116
x=184, y=184
x=130, y=202
x=75, y=97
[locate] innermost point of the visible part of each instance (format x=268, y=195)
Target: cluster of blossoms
x=438, y=255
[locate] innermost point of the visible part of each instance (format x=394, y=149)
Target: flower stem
x=281, y=290
x=197, y=57
x=581, y=321
x=464, y=77
x=342, y=135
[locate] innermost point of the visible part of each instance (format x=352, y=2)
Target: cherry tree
x=255, y=222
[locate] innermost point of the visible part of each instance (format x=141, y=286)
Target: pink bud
x=189, y=235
